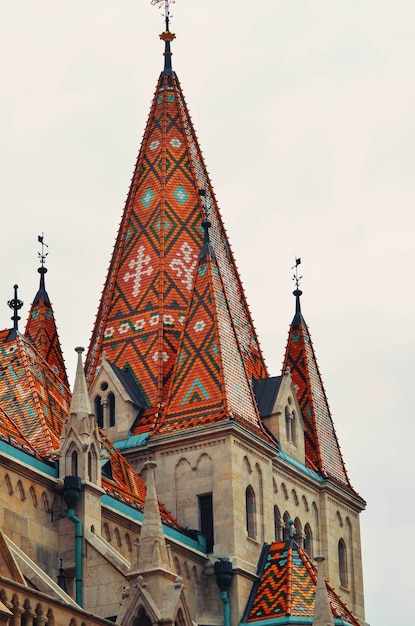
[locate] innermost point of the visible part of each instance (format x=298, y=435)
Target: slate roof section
x=321, y=444
x=41, y=330
x=148, y=287
x=31, y=393
x=126, y=378
x=266, y=390
x=209, y=384
x=286, y=586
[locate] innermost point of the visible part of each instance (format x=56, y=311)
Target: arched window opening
x=343, y=563
x=250, y=512
x=111, y=407
x=179, y=621
x=74, y=463
x=293, y=428
x=286, y=531
x=99, y=411
x=142, y=618
x=290, y=426
x=298, y=533
x=308, y=540
x=277, y=524
x=89, y=466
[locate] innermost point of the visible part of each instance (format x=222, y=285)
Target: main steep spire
x=41, y=327
x=147, y=292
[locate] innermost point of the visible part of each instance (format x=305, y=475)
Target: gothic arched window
x=308, y=540
x=74, y=463
x=250, y=512
x=277, y=524
x=111, y=407
x=342, y=563
x=142, y=618
x=99, y=411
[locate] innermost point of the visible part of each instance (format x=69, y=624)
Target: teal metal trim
x=289, y=459
x=137, y=516
x=293, y=620
x=27, y=459
x=226, y=608
x=132, y=441
x=78, y=556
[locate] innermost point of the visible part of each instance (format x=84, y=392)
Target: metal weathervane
x=166, y=3
x=296, y=277
x=42, y=255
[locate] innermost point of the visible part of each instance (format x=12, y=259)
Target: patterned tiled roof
x=209, y=382
x=31, y=393
x=149, y=283
x=321, y=444
x=286, y=587
x=34, y=405
x=42, y=332
x=127, y=485
x=11, y=434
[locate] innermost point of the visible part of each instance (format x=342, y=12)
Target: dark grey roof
x=130, y=385
x=265, y=390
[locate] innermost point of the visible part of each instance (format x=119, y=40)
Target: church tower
x=177, y=379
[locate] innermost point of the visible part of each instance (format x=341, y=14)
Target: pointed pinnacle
x=80, y=403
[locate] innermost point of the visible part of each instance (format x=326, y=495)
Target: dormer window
x=290, y=424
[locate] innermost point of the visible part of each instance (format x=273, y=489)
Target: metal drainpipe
x=78, y=555
x=226, y=608
x=224, y=574
x=71, y=494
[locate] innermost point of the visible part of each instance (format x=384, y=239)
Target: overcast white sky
x=305, y=113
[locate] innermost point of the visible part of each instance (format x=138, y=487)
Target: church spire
x=41, y=327
x=147, y=292
x=321, y=445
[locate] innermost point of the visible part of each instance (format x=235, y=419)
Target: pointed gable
x=149, y=282
x=286, y=588
x=321, y=444
x=210, y=382
x=31, y=393
x=41, y=330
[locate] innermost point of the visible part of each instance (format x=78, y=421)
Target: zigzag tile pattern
x=149, y=282
x=209, y=383
x=321, y=443
x=41, y=330
x=11, y=434
x=287, y=585
x=31, y=393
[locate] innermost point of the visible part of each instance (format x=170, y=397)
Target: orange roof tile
x=41, y=330
x=321, y=444
x=31, y=393
x=286, y=588
x=209, y=382
x=147, y=291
